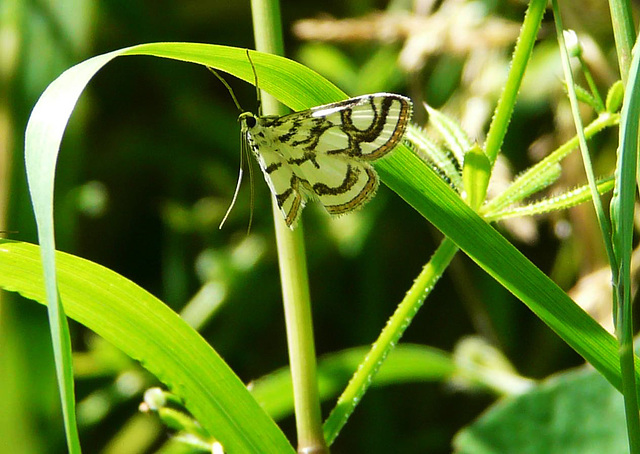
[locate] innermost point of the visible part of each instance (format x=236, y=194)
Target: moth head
x=247, y=119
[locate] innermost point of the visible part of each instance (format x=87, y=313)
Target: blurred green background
x=149, y=164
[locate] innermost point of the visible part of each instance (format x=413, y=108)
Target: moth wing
x=283, y=182
x=341, y=185
x=323, y=152
x=366, y=127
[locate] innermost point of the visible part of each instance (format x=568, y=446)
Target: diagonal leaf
x=147, y=330
x=430, y=196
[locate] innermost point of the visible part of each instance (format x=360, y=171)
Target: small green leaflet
x=324, y=153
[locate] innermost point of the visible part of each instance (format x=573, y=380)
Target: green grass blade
x=41, y=137
x=619, y=228
x=147, y=330
x=624, y=33
x=622, y=217
x=430, y=196
x=291, y=83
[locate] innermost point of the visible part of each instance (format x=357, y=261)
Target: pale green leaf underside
x=300, y=88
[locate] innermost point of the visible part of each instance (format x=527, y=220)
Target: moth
x=325, y=153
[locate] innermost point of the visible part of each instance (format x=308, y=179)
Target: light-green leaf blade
x=147, y=330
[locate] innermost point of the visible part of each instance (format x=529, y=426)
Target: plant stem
x=293, y=270
x=521, y=54
x=302, y=355
x=388, y=338
x=622, y=217
x=519, y=186
x=624, y=34
x=622, y=207
x=592, y=85
x=605, y=226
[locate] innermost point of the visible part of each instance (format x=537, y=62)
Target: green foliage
x=359, y=265
x=576, y=411
x=148, y=331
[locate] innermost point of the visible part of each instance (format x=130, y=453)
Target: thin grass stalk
x=603, y=222
x=293, y=270
x=388, y=339
x=507, y=101
x=618, y=246
x=624, y=33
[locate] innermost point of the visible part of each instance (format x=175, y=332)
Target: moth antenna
x=233, y=96
x=239, y=182
x=233, y=200
x=255, y=79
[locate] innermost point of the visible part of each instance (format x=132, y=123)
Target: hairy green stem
x=507, y=101
x=389, y=338
x=603, y=222
x=293, y=270
x=510, y=195
x=592, y=85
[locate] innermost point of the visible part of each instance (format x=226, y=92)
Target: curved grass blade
x=492, y=252
x=149, y=331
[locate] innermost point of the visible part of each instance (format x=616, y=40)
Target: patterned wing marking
x=371, y=127
x=340, y=185
x=322, y=153
x=375, y=127
x=283, y=183
x=343, y=185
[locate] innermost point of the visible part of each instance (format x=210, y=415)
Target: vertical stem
x=622, y=218
x=619, y=243
x=302, y=355
x=624, y=34
x=293, y=270
x=603, y=222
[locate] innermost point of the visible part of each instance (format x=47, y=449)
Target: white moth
x=324, y=153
